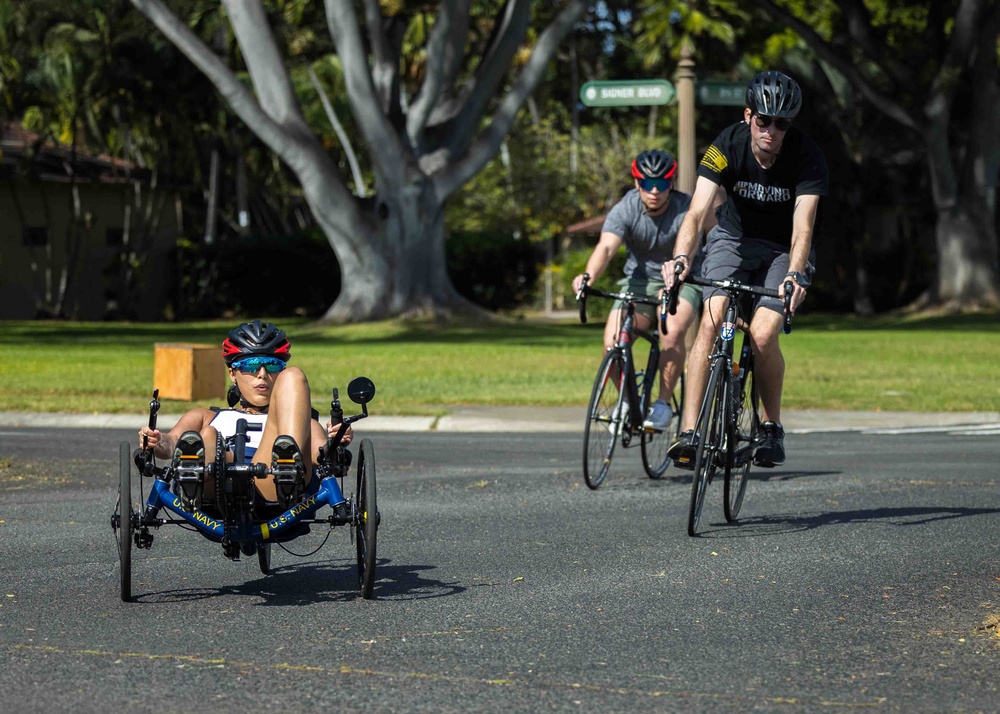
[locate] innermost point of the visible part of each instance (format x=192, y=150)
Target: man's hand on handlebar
x=578, y=282
x=798, y=292
x=669, y=271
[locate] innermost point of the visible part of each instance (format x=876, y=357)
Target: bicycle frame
x=638, y=404
x=722, y=404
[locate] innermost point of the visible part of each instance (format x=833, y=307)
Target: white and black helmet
x=774, y=94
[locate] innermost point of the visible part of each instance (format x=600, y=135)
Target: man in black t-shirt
x=772, y=176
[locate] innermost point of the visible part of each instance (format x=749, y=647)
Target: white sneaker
x=659, y=416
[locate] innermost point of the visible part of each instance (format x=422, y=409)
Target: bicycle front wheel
x=742, y=436
x=604, y=422
x=710, y=431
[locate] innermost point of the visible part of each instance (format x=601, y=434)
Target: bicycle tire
x=601, y=430
x=264, y=557
x=655, y=444
x=124, y=510
x=742, y=437
x=709, y=431
x=366, y=528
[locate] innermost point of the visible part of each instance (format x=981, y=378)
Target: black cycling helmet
x=654, y=164
x=255, y=339
x=774, y=94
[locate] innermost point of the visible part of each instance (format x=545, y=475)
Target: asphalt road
x=864, y=574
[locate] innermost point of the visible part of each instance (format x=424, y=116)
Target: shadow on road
x=336, y=581
x=790, y=523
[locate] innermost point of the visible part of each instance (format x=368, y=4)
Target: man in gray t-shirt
x=646, y=221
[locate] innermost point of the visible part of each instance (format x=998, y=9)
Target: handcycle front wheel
x=367, y=518
x=742, y=435
x=264, y=557
x=709, y=431
x=123, y=520
x=604, y=420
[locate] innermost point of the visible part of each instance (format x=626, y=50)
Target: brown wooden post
x=686, y=158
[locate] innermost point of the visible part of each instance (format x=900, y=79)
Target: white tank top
x=225, y=422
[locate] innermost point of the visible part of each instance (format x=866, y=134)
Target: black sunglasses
x=780, y=123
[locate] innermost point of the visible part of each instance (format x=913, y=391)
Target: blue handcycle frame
x=237, y=528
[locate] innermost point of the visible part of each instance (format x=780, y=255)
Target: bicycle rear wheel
x=655, y=444
x=710, y=431
x=742, y=436
x=604, y=423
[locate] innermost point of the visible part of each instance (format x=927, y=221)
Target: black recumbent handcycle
x=236, y=515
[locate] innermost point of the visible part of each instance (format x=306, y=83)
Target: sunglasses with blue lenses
x=660, y=184
x=252, y=365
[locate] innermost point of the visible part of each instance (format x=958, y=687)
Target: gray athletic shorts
x=751, y=261
x=650, y=287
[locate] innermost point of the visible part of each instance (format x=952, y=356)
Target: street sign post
x=727, y=94
x=627, y=93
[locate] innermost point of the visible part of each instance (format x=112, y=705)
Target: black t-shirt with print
x=760, y=202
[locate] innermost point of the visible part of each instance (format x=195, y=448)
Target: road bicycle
x=727, y=430
x=621, y=397
x=234, y=516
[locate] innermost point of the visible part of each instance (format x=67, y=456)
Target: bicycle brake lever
x=581, y=300
x=154, y=408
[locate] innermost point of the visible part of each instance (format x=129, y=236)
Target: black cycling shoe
x=771, y=451
x=188, y=464
x=288, y=469
x=684, y=450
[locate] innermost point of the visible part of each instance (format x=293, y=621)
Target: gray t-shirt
x=648, y=240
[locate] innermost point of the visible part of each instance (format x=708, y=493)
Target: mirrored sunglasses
x=660, y=184
x=252, y=365
x=780, y=123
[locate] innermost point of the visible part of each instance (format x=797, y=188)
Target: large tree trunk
x=967, y=251
x=402, y=270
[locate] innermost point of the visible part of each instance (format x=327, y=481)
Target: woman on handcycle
x=265, y=391
x=646, y=221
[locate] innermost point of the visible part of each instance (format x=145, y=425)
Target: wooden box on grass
x=188, y=371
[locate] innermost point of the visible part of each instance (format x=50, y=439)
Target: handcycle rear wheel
x=366, y=525
x=655, y=444
x=710, y=431
x=742, y=436
x=123, y=512
x=600, y=434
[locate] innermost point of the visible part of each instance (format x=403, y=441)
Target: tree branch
x=488, y=144
x=302, y=152
x=345, y=140
x=265, y=64
x=342, y=22
x=445, y=51
x=843, y=64
x=235, y=94
x=385, y=72
x=508, y=37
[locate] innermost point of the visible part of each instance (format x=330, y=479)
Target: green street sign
x=727, y=94
x=627, y=93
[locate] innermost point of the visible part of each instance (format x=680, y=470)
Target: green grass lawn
x=833, y=362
